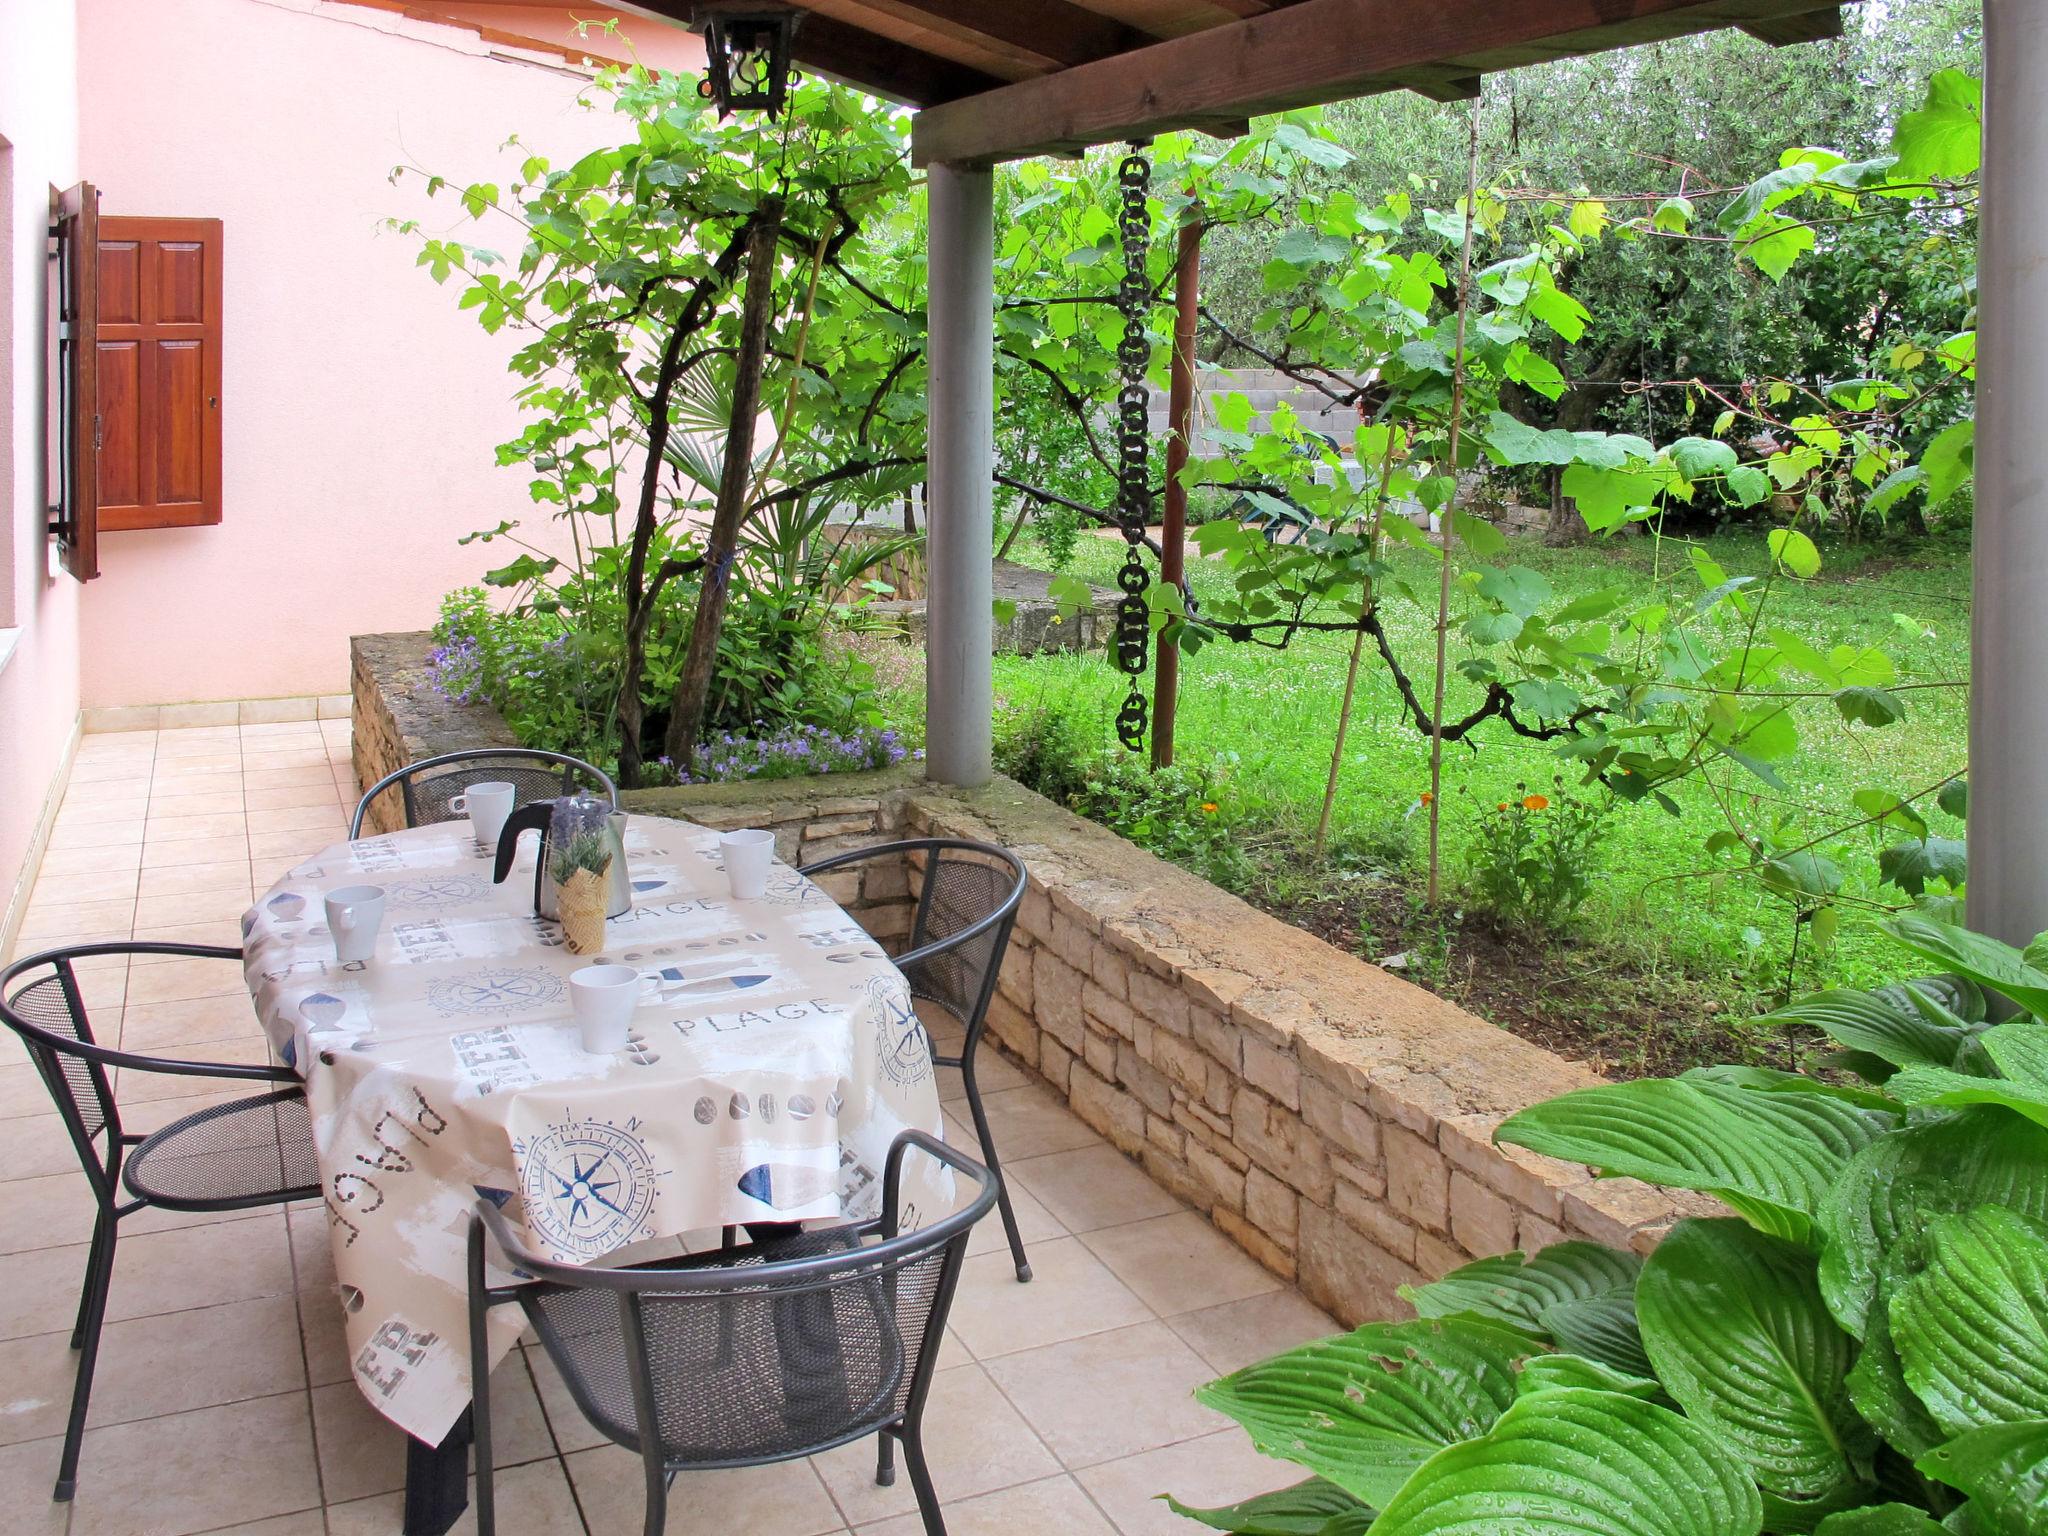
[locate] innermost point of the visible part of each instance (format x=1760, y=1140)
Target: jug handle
x=534, y=817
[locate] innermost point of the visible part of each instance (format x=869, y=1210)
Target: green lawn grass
x=1268, y=718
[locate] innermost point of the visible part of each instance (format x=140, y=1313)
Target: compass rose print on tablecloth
x=588, y=1186
x=437, y=892
x=494, y=990
x=900, y=1040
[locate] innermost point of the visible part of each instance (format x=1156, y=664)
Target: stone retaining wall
x=397, y=717
x=1332, y=1119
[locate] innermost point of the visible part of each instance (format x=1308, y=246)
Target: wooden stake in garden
x=736, y=475
x=1443, y=595
x=1366, y=600
x=1180, y=421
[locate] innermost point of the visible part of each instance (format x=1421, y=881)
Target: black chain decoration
x=1134, y=445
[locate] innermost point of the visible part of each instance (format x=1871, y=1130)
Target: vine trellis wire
x=1134, y=443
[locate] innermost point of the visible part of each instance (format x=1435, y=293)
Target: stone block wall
x=397, y=717
x=1333, y=1119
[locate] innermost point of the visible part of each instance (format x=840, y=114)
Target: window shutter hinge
x=63, y=330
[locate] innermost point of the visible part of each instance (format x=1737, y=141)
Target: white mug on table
x=354, y=914
x=487, y=803
x=747, y=854
x=603, y=998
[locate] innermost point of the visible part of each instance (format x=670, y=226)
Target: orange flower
x=1209, y=807
x=1535, y=802
x=1427, y=797
x=1502, y=806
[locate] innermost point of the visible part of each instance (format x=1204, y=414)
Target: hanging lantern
x=746, y=56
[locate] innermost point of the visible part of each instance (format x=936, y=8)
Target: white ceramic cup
x=604, y=997
x=487, y=804
x=354, y=914
x=747, y=855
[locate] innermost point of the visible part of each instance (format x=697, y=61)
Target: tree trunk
x=735, y=481
x=1564, y=525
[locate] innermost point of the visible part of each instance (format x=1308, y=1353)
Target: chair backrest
x=773, y=1353
x=426, y=787
x=966, y=906
x=44, y=1003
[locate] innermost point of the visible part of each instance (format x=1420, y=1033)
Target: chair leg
x=92, y=1313
x=92, y=1264
x=480, y=1408
x=921, y=1482
x=657, y=1494
x=885, y=1460
x=988, y=1155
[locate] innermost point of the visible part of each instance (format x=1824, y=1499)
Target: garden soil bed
x=1586, y=1004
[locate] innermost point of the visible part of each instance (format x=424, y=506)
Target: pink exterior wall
x=39, y=680
x=655, y=44
x=360, y=407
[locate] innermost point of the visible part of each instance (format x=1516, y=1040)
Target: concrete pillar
x=2009, y=587
x=959, y=686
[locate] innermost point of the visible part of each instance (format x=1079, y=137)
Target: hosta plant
x=1860, y=1349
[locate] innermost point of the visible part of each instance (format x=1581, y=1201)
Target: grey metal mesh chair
x=426, y=787
x=740, y=1358
x=245, y=1153
x=966, y=907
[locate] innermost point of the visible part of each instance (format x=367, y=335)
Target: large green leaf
x=2018, y=1049
x=1581, y=1295
x=1734, y=1323
x=1972, y=1326
x=1365, y=1409
x=1546, y=1373
x=1770, y=1156
x=2004, y=1470
x=1601, y=1328
x=1879, y=1023
x=1310, y=1508
x=1890, y=1191
x=1877, y=1382
x=1984, y=960
x=1880, y=1520
x=1577, y=1462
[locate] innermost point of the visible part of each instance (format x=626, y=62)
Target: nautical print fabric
x=775, y=1058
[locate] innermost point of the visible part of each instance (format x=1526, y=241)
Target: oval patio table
x=776, y=1056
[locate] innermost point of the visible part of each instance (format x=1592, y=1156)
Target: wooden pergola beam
x=877, y=64
x=1307, y=54
x=1056, y=33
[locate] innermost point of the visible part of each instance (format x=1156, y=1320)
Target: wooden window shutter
x=71, y=430
x=158, y=372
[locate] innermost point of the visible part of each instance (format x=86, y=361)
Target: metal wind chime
x=1133, y=639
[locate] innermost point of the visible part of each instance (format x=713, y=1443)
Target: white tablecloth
x=765, y=1080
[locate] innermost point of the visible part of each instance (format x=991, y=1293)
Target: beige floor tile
x=47, y=1212
x=196, y=1471
x=289, y=757
x=299, y=818
x=188, y=1267
x=1113, y=1394
x=1179, y=1263
x=363, y=1453
x=1056, y=1504
x=130, y=805
x=175, y=829
x=227, y=903
x=310, y=1522
x=224, y=933
x=27, y=1473
x=166, y=1027
x=196, y=769
x=975, y=1442
x=153, y=1366
x=1035, y=1224
x=181, y=879
x=22, y=1091
x=1028, y=1122
x=1071, y=1295
x=285, y=796
x=77, y=917
x=224, y=786
x=97, y=834
x=33, y=1146
x=171, y=981
x=164, y=804
x=1091, y=1187
x=92, y=861
x=573, y=1430
x=133, y=1088
x=533, y=1500
x=260, y=712
x=1207, y=1473
x=786, y=1498
x=1241, y=1333
x=324, y=1338
x=267, y=777
x=69, y=890
x=281, y=851
x=195, y=850
x=197, y=740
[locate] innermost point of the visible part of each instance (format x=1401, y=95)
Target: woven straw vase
x=580, y=904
